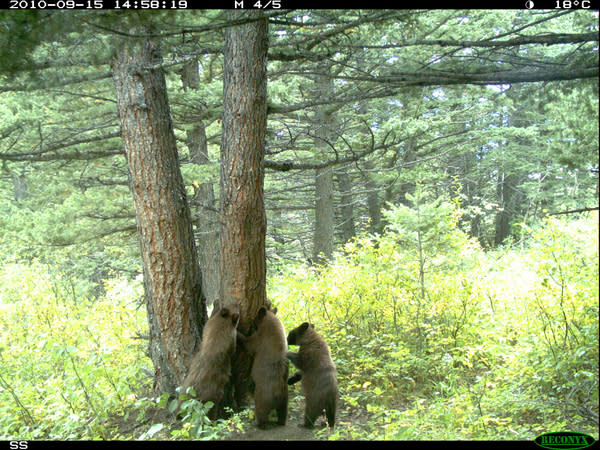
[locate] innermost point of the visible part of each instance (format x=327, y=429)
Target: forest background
x=430, y=187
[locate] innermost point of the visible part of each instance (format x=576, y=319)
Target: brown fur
x=241, y=366
x=211, y=367
x=317, y=372
x=269, y=368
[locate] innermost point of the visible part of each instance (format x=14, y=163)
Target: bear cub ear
x=296, y=333
x=225, y=313
x=262, y=312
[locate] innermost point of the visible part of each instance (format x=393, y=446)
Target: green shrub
x=432, y=339
x=435, y=339
x=66, y=367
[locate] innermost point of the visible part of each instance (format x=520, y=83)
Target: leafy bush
x=436, y=339
x=432, y=339
x=195, y=423
x=66, y=366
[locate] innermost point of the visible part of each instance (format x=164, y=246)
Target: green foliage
x=503, y=345
x=196, y=423
x=566, y=303
x=68, y=365
x=72, y=368
x=64, y=178
x=19, y=35
x=433, y=338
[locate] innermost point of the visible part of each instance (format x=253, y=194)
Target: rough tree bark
x=172, y=278
x=243, y=226
x=243, y=218
x=324, y=217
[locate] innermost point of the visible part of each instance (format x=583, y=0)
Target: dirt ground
x=292, y=431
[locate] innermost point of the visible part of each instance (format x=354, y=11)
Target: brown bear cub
x=317, y=372
x=269, y=368
x=211, y=367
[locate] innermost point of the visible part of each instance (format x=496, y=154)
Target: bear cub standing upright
x=211, y=367
x=269, y=368
x=317, y=372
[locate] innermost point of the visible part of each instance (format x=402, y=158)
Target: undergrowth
x=66, y=367
x=452, y=342
x=433, y=338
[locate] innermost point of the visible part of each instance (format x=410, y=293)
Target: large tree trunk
x=243, y=218
x=324, y=217
x=172, y=279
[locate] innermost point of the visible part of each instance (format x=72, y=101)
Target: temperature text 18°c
x=568, y=4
